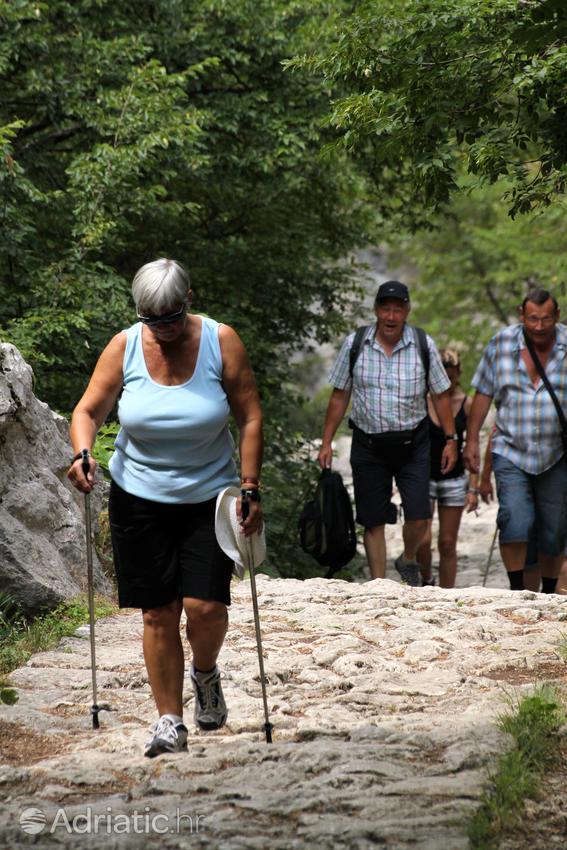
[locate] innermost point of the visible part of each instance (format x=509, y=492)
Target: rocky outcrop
x=384, y=702
x=42, y=531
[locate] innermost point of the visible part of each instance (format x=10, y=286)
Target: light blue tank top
x=174, y=444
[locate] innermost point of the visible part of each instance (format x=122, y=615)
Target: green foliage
x=8, y=695
x=476, y=264
x=425, y=89
x=21, y=637
x=104, y=445
x=562, y=647
x=533, y=726
x=162, y=127
x=169, y=127
x=288, y=481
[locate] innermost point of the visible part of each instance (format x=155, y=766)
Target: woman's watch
x=451, y=437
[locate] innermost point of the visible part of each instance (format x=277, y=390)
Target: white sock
x=175, y=718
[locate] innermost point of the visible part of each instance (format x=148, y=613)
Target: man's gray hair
x=160, y=286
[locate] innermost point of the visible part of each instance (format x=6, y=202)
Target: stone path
x=383, y=700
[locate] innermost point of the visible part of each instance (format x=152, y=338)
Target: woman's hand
x=77, y=477
x=471, y=502
x=254, y=521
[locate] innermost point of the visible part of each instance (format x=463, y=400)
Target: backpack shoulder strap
x=423, y=348
x=355, y=349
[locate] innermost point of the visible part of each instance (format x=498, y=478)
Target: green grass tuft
x=533, y=727
x=21, y=637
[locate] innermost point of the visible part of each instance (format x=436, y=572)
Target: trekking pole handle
x=245, y=507
x=85, y=462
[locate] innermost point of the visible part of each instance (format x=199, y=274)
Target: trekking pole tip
x=268, y=730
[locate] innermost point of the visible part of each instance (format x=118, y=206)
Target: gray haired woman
x=177, y=376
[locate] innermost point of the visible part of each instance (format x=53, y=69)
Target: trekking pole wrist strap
x=80, y=455
x=252, y=495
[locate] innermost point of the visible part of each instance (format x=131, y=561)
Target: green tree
x=132, y=130
x=429, y=88
x=476, y=264
x=153, y=128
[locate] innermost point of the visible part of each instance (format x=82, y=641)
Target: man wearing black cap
x=389, y=384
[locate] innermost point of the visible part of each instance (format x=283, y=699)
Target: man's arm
x=336, y=409
x=442, y=403
x=479, y=410
x=485, y=486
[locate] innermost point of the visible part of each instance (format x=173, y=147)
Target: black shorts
x=164, y=552
x=373, y=470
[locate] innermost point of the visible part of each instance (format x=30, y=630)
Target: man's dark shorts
x=164, y=552
x=373, y=470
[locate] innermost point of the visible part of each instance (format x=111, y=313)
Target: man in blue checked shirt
x=390, y=432
x=528, y=458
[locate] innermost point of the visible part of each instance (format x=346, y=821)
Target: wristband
x=474, y=490
x=252, y=495
x=79, y=455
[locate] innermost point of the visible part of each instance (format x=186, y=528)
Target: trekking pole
x=95, y=708
x=267, y=727
x=490, y=554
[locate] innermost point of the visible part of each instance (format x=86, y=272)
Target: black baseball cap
x=392, y=289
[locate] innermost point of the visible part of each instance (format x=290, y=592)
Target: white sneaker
x=167, y=737
x=210, y=707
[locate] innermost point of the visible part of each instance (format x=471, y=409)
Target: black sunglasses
x=166, y=319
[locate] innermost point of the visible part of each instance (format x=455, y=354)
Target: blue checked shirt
x=528, y=432
x=388, y=392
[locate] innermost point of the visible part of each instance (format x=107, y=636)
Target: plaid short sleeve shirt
x=388, y=392
x=527, y=429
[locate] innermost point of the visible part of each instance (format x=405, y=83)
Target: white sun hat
x=230, y=537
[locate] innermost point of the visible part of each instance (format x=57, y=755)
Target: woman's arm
x=442, y=402
x=240, y=387
x=98, y=400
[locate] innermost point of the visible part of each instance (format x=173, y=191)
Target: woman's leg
x=207, y=622
x=163, y=654
x=449, y=522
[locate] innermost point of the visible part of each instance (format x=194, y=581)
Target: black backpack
x=326, y=524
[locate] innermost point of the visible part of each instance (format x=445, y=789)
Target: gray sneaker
x=210, y=707
x=167, y=737
x=410, y=572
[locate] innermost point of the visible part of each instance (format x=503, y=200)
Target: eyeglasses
x=546, y=321
x=166, y=319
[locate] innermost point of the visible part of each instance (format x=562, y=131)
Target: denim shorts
x=532, y=506
x=449, y=492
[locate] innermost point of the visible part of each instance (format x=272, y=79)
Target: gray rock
x=42, y=531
